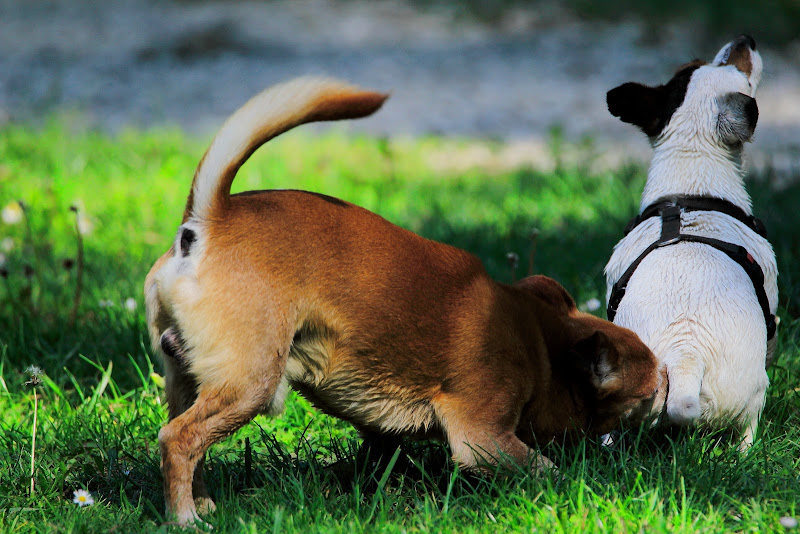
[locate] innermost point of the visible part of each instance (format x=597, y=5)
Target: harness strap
x=670, y=214
x=694, y=203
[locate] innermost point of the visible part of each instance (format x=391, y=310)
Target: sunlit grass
x=100, y=405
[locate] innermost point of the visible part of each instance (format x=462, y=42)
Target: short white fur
x=690, y=303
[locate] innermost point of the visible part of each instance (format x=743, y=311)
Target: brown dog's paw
x=544, y=466
x=205, y=505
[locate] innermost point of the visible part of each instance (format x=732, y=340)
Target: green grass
x=100, y=405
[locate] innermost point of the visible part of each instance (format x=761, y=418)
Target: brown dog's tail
x=267, y=115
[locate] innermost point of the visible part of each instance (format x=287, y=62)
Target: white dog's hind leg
x=748, y=435
x=685, y=375
x=749, y=420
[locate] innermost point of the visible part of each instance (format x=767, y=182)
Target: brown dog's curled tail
x=267, y=115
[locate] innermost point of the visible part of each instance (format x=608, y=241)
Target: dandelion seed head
x=12, y=213
x=590, y=305
x=85, y=224
x=7, y=244
x=34, y=370
x=35, y=373
x=130, y=304
x=513, y=259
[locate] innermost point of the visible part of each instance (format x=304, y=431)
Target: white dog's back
x=693, y=304
x=696, y=309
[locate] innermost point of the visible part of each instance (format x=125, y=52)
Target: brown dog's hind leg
x=181, y=393
x=217, y=412
x=184, y=440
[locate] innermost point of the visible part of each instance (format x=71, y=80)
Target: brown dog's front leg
x=483, y=450
x=483, y=438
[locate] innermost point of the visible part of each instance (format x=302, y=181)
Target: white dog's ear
x=738, y=115
x=639, y=105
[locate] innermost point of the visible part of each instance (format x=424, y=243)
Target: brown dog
x=395, y=333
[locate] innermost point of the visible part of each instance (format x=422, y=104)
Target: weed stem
x=33, y=439
x=76, y=300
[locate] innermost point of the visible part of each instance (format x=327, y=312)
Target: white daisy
x=82, y=498
x=12, y=213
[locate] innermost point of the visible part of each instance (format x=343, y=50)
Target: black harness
x=670, y=212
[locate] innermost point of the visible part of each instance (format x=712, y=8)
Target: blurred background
x=520, y=71
x=496, y=140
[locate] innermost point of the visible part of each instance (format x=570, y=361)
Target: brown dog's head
x=618, y=376
x=610, y=373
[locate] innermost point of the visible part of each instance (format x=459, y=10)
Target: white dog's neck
x=677, y=169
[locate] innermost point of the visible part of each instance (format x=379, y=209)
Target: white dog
x=695, y=276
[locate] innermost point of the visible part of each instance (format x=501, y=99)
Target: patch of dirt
x=147, y=63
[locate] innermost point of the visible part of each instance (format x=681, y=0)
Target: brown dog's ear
x=596, y=357
x=639, y=105
x=549, y=291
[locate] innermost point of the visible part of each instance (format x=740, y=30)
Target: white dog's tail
x=685, y=375
x=267, y=115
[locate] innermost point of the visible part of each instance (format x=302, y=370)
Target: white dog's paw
x=683, y=410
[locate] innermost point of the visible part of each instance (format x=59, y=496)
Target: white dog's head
x=703, y=104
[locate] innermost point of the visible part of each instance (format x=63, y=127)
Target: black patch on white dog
x=187, y=238
x=738, y=116
x=651, y=108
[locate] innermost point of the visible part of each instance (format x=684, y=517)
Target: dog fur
x=397, y=334
x=689, y=302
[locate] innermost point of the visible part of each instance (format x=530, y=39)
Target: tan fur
x=374, y=324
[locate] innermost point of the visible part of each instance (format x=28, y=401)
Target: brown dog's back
x=375, y=324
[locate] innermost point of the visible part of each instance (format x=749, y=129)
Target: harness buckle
x=670, y=213
x=670, y=224
x=669, y=241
